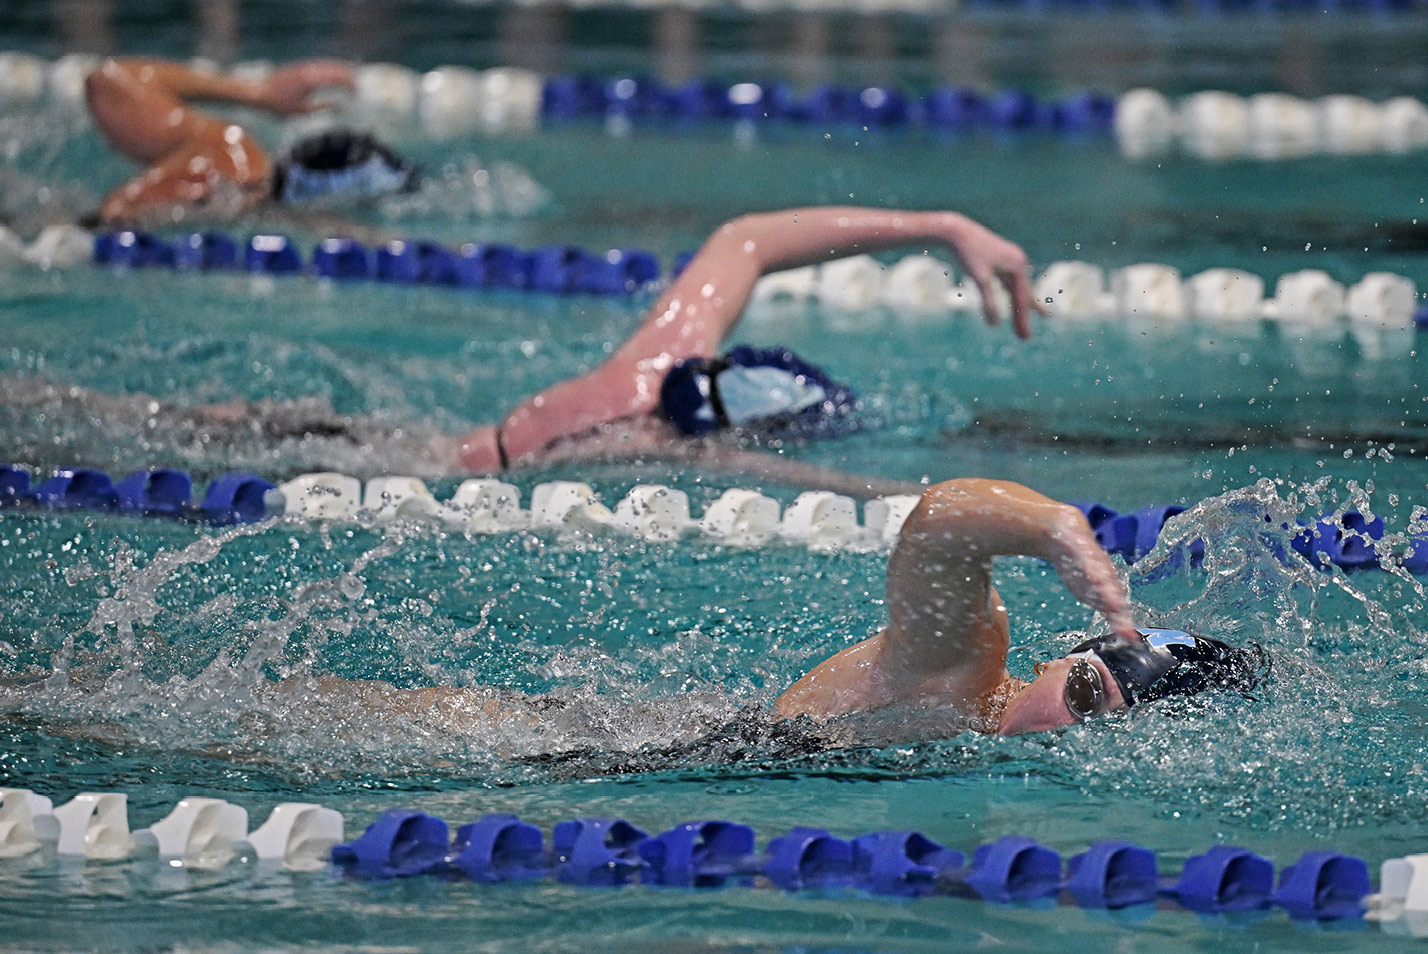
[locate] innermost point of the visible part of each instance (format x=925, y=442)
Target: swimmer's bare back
x=693, y=318
x=192, y=159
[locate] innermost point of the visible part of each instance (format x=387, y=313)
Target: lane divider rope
x=206, y=834
x=456, y=100
x=1380, y=311
x=820, y=520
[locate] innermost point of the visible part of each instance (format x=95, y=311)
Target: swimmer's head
x=1108, y=673
x=766, y=391
x=341, y=165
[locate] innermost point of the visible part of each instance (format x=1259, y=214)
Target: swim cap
x=771, y=390
x=341, y=164
x=1172, y=662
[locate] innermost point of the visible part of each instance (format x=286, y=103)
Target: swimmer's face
x=1043, y=704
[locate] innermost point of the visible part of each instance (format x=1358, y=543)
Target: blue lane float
x=644, y=99
x=597, y=851
x=399, y=844
x=272, y=255
x=611, y=852
x=159, y=492
x=1112, y=874
x=1225, y=878
x=77, y=489
x=236, y=498
x=809, y=857
x=1323, y=885
x=702, y=854
x=203, y=251
x=500, y=848
x=904, y=863
x=1014, y=868
x=554, y=269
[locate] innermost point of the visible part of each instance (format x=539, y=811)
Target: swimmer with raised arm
x=945, y=646
x=944, y=649
x=662, y=385
x=196, y=161
x=664, y=391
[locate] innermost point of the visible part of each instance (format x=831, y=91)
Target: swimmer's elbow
x=819, y=702
x=793, y=704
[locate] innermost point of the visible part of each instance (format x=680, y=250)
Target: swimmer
x=195, y=161
x=944, y=650
x=942, y=655
x=655, y=398
x=662, y=387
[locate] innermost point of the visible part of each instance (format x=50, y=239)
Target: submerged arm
x=946, y=642
x=701, y=307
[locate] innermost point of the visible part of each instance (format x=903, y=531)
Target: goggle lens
x=1085, y=692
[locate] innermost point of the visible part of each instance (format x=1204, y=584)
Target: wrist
x=955, y=226
x=480, y=451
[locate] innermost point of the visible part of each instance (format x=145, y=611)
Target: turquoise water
x=664, y=656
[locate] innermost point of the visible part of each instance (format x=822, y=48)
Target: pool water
x=663, y=658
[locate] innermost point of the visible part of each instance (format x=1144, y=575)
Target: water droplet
x=351, y=587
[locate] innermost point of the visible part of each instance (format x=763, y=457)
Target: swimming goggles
x=1085, y=690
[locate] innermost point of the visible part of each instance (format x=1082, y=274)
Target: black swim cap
x=341, y=163
x=1172, y=662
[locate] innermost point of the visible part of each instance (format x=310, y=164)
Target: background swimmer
x=615, y=410
x=612, y=413
x=196, y=161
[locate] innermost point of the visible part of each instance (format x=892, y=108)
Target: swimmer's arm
x=173, y=183
x=286, y=90
x=701, y=307
x=947, y=638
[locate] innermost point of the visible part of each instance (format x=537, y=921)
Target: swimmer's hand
x=1087, y=571
x=991, y=260
x=290, y=90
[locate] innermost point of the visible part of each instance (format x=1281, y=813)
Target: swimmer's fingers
x=1023, y=301
x=290, y=89
x=989, y=297
x=993, y=261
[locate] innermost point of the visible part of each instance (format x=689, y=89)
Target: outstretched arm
x=946, y=642
x=140, y=105
x=700, y=308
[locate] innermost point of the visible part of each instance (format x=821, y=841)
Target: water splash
x=470, y=190
x=304, y=649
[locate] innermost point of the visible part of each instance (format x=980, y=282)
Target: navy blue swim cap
x=1172, y=662
x=341, y=164
x=770, y=391
x=686, y=396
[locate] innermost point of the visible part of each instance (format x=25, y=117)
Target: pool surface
x=163, y=638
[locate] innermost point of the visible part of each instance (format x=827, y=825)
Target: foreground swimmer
x=943, y=651
x=666, y=383
x=945, y=646
x=196, y=161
